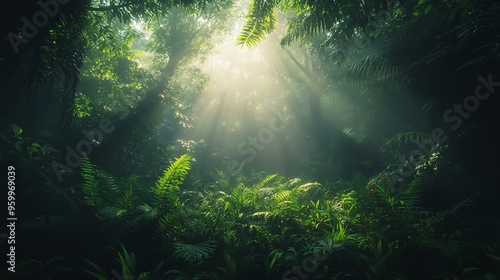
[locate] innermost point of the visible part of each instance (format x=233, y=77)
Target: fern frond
x=376, y=70
x=307, y=186
x=264, y=214
x=178, y=224
x=304, y=26
x=283, y=196
x=90, y=184
x=405, y=137
x=167, y=189
x=349, y=132
x=261, y=20
x=435, y=219
x=126, y=200
x=265, y=181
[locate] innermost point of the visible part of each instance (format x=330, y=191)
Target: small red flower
x=372, y=191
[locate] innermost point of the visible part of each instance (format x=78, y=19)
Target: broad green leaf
x=17, y=130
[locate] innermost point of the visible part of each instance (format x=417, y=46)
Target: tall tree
x=181, y=37
x=46, y=42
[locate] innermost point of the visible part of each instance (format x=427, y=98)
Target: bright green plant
x=403, y=138
x=229, y=269
x=166, y=190
x=27, y=148
x=82, y=106
x=193, y=253
x=128, y=265
x=90, y=187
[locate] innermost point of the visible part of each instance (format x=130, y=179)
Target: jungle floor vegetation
x=251, y=139
x=262, y=226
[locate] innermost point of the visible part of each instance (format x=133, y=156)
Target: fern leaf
x=264, y=214
x=403, y=138
x=90, y=185
x=304, y=26
x=167, y=187
x=265, y=181
x=377, y=71
x=307, y=186
x=261, y=20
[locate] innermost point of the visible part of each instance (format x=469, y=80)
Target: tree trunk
x=123, y=127
x=316, y=118
x=315, y=108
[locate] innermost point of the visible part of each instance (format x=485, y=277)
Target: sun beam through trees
x=250, y=139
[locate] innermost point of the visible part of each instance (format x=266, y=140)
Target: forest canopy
x=251, y=139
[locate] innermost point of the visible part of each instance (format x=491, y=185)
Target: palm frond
x=304, y=26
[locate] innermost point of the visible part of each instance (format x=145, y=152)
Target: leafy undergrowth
x=272, y=227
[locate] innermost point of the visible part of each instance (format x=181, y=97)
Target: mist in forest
x=250, y=139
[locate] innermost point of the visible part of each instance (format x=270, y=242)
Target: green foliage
x=90, y=186
x=112, y=80
x=116, y=203
x=342, y=20
x=377, y=72
x=358, y=136
x=261, y=20
x=128, y=265
x=395, y=213
x=228, y=271
x=27, y=149
x=404, y=138
x=98, y=187
x=380, y=261
x=267, y=224
x=166, y=190
x=17, y=130
x=82, y=106
x=194, y=253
